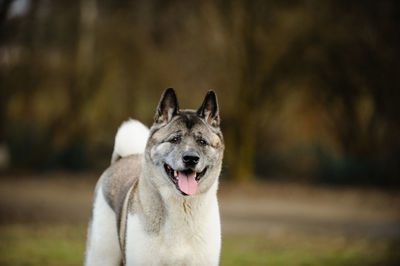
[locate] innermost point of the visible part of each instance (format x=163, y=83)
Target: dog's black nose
x=190, y=158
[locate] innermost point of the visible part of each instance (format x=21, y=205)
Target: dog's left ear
x=168, y=106
x=209, y=110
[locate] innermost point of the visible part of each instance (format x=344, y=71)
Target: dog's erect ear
x=209, y=109
x=168, y=106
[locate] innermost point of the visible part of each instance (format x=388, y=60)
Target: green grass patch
x=64, y=245
x=42, y=245
x=307, y=250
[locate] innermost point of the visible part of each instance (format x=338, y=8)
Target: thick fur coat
x=157, y=202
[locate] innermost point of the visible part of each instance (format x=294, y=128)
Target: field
x=43, y=222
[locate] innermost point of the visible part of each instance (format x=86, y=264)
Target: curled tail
x=131, y=139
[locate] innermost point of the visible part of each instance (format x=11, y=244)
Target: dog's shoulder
x=119, y=178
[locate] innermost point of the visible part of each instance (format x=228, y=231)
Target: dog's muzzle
x=186, y=180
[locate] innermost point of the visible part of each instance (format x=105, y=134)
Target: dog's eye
x=202, y=142
x=175, y=139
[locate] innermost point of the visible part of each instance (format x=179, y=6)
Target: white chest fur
x=185, y=238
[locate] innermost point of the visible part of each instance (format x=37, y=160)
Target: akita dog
x=157, y=202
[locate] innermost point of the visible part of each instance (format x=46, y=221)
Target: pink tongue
x=187, y=183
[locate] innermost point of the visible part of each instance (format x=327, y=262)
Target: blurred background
x=308, y=93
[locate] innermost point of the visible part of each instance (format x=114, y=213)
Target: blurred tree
x=71, y=71
x=356, y=65
x=268, y=41
x=4, y=91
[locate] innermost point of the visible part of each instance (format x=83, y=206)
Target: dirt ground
x=268, y=208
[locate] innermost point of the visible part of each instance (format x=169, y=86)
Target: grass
x=41, y=245
x=64, y=245
x=307, y=250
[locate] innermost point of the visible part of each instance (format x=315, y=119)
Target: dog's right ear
x=168, y=107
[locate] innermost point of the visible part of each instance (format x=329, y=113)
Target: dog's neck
x=169, y=211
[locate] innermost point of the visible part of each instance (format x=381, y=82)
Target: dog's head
x=185, y=147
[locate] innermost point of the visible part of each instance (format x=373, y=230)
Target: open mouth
x=186, y=180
